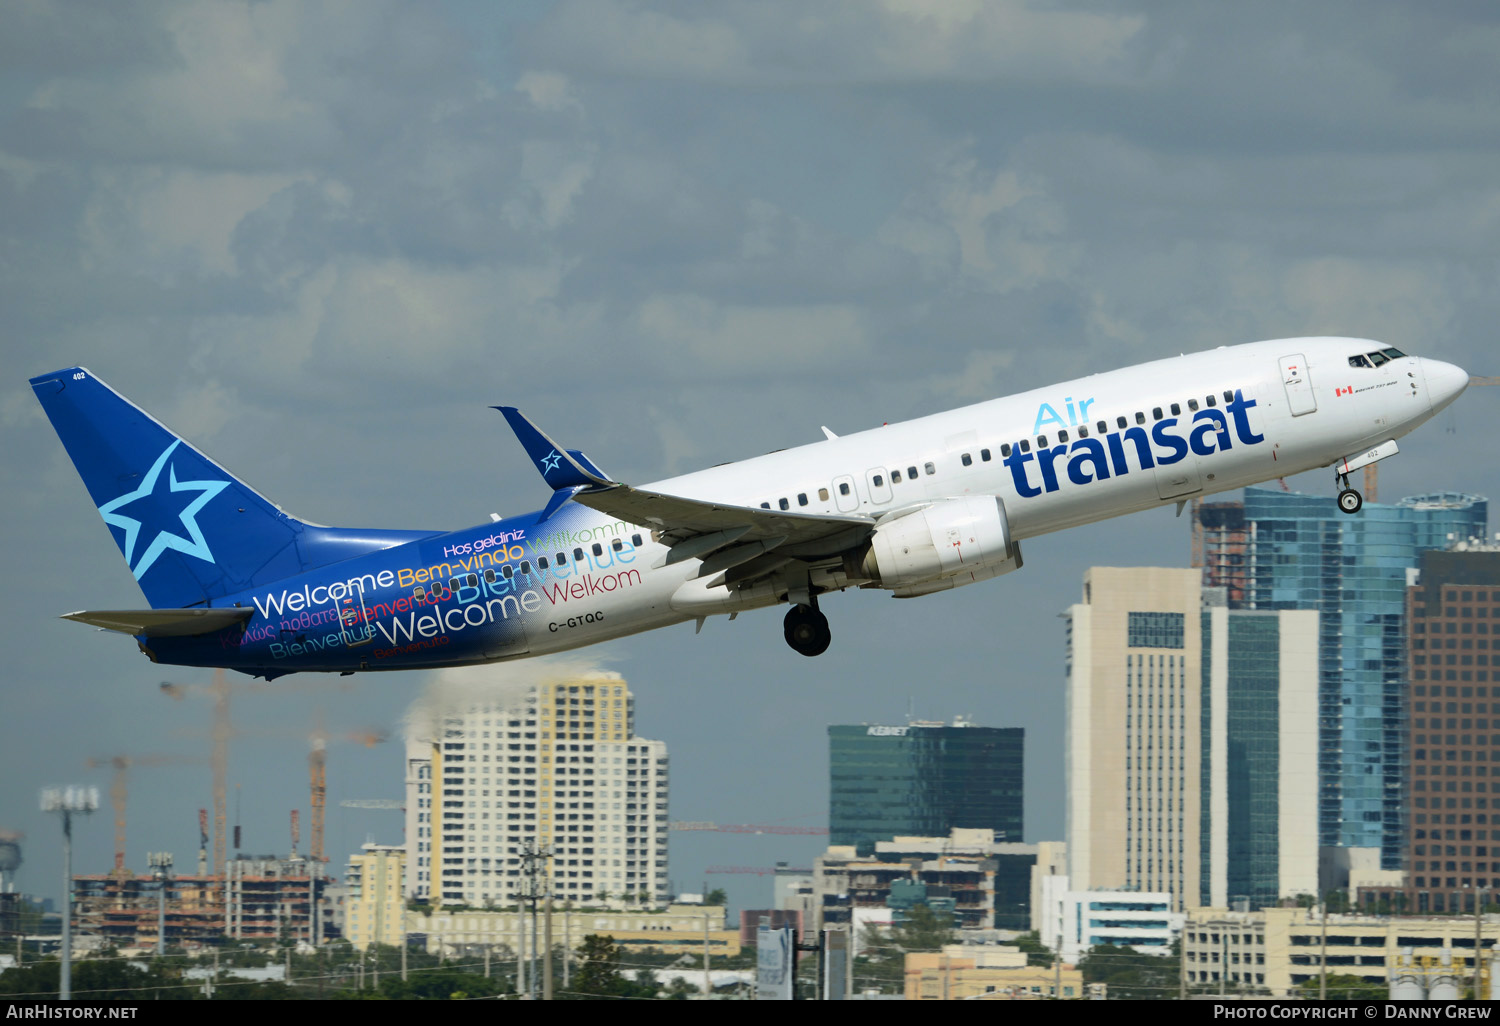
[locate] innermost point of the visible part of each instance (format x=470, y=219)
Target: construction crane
x=745, y=828
x=754, y=870
x=372, y=803
x=222, y=731
x=119, y=793
x=202, y=842
x=317, y=772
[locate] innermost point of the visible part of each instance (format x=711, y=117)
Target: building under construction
x=1221, y=540
x=275, y=899
x=122, y=910
x=260, y=898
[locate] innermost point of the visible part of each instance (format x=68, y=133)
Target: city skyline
x=322, y=241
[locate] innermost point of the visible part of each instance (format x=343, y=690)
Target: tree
x=1036, y=952
x=716, y=897
x=1344, y=987
x=923, y=930
x=598, y=966
x=1130, y=974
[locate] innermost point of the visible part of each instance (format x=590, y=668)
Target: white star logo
x=193, y=545
x=550, y=461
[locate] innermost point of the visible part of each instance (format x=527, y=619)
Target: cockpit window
x=1394, y=354
x=1379, y=358
x=1359, y=361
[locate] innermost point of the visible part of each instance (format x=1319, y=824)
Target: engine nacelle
x=943, y=546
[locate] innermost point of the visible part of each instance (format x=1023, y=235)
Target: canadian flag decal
x=1344, y=391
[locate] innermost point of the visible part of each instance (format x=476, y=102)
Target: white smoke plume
x=504, y=685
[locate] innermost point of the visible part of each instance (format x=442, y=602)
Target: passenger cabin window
x=1210, y=400
x=1041, y=441
x=802, y=498
x=541, y=562
x=489, y=575
x=895, y=477
x=1083, y=430
x=421, y=592
x=526, y=567
x=984, y=455
x=1025, y=445
x=879, y=480
x=1121, y=423
x=783, y=503
x=473, y=580
x=929, y=468
x=822, y=494
x=562, y=559
x=1005, y=450
x=1176, y=410
x=1062, y=436
x=1229, y=397
x=617, y=544
x=598, y=549
x=911, y=473
x=765, y=505
x=1156, y=413
x=844, y=488
x=1193, y=405
x=507, y=572
x=578, y=555
x=1140, y=418
x=968, y=460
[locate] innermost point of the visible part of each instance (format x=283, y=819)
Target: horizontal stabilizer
x=164, y=623
x=561, y=468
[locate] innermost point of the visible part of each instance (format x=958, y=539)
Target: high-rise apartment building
x=559, y=767
x=374, y=905
x=1453, y=838
x=1295, y=551
x=923, y=780
x=1190, y=744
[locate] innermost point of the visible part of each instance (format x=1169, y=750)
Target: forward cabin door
x=1299, y=391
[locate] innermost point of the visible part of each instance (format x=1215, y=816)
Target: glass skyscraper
x=1302, y=553
x=923, y=780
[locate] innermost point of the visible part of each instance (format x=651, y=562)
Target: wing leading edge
x=693, y=528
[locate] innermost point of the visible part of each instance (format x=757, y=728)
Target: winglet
x=561, y=468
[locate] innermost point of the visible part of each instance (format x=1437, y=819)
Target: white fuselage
x=1301, y=405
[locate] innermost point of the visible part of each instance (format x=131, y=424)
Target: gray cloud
x=321, y=239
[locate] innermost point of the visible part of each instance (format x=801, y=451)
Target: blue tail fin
x=189, y=530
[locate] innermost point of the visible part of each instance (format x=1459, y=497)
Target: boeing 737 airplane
x=911, y=509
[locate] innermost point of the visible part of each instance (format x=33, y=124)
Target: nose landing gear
x=1350, y=501
x=807, y=630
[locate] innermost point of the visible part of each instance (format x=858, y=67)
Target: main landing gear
x=1350, y=501
x=807, y=630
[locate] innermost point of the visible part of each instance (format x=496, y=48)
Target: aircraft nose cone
x=1444, y=382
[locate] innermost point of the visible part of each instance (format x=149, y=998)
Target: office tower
x=1299, y=552
x=557, y=766
x=923, y=780
x=1453, y=839
x=1258, y=779
x=1190, y=742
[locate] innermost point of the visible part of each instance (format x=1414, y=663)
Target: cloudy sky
x=321, y=239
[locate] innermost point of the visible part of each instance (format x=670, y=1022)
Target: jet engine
x=942, y=546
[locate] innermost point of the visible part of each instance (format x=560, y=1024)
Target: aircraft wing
x=677, y=519
x=164, y=623
x=692, y=527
